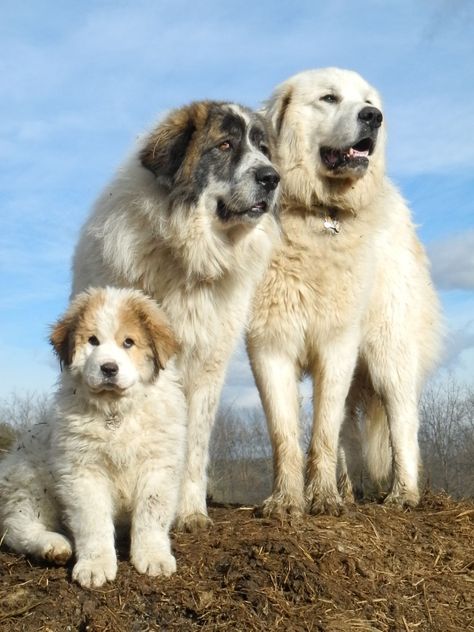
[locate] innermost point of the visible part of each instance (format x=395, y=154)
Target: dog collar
x=113, y=422
x=330, y=222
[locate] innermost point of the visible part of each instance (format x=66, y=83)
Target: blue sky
x=80, y=80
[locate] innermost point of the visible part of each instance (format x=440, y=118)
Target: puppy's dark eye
x=226, y=145
x=330, y=98
x=128, y=342
x=94, y=341
x=369, y=102
x=265, y=150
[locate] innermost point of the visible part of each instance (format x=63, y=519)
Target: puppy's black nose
x=109, y=369
x=267, y=177
x=373, y=117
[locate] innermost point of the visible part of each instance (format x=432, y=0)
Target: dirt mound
x=373, y=569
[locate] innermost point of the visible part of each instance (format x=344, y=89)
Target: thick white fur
x=201, y=271
x=355, y=310
x=102, y=459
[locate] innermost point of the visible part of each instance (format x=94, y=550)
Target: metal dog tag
x=331, y=225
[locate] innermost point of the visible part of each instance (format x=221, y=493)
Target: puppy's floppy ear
x=63, y=332
x=277, y=106
x=165, y=148
x=163, y=341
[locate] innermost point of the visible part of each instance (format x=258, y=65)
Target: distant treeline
x=240, y=468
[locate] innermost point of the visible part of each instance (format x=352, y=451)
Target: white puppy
x=113, y=450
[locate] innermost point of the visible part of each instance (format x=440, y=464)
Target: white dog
x=114, y=448
x=190, y=219
x=347, y=299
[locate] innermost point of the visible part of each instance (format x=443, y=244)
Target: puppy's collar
x=113, y=421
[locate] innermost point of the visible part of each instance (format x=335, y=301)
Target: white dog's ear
x=162, y=339
x=63, y=332
x=276, y=107
x=165, y=148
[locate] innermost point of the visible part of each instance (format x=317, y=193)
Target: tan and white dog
x=190, y=219
x=347, y=299
x=113, y=450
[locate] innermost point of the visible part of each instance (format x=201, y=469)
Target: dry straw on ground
x=374, y=569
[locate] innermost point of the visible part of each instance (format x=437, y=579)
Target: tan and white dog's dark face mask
x=219, y=153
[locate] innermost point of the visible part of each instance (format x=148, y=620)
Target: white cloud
x=452, y=261
x=458, y=341
x=429, y=134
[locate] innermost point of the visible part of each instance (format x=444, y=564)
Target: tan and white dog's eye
x=128, y=342
x=94, y=341
x=226, y=145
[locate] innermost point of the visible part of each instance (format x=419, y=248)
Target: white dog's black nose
x=267, y=177
x=109, y=369
x=373, y=117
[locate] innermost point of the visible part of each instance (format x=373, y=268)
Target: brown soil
x=373, y=569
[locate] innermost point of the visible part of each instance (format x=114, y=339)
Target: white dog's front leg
x=202, y=397
x=332, y=379
x=155, y=508
x=402, y=414
x=89, y=512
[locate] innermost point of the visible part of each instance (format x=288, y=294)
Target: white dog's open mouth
x=355, y=156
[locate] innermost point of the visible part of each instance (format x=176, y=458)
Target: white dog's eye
x=330, y=98
x=128, y=342
x=94, y=341
x=265, y=150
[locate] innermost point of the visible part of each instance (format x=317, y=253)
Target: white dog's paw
x=54, y=547
x=92, y=573
x=154, y=562
x=401, y=496
x=327, y=503
x=281, y=505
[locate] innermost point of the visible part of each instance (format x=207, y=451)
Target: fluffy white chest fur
x=190, y=220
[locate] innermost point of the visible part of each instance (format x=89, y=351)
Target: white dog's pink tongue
x=355, y=153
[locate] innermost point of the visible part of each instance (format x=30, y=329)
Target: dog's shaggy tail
x=377, y=448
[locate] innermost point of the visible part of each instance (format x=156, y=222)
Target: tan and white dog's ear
x=163, y=341
x=63, y=332
x=276, y=107
x=165, y=148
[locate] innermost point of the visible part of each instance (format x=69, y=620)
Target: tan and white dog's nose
x=267, y=177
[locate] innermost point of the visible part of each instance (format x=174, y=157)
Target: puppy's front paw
x=94, y=572
x=154, y=562
x=55, y=548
